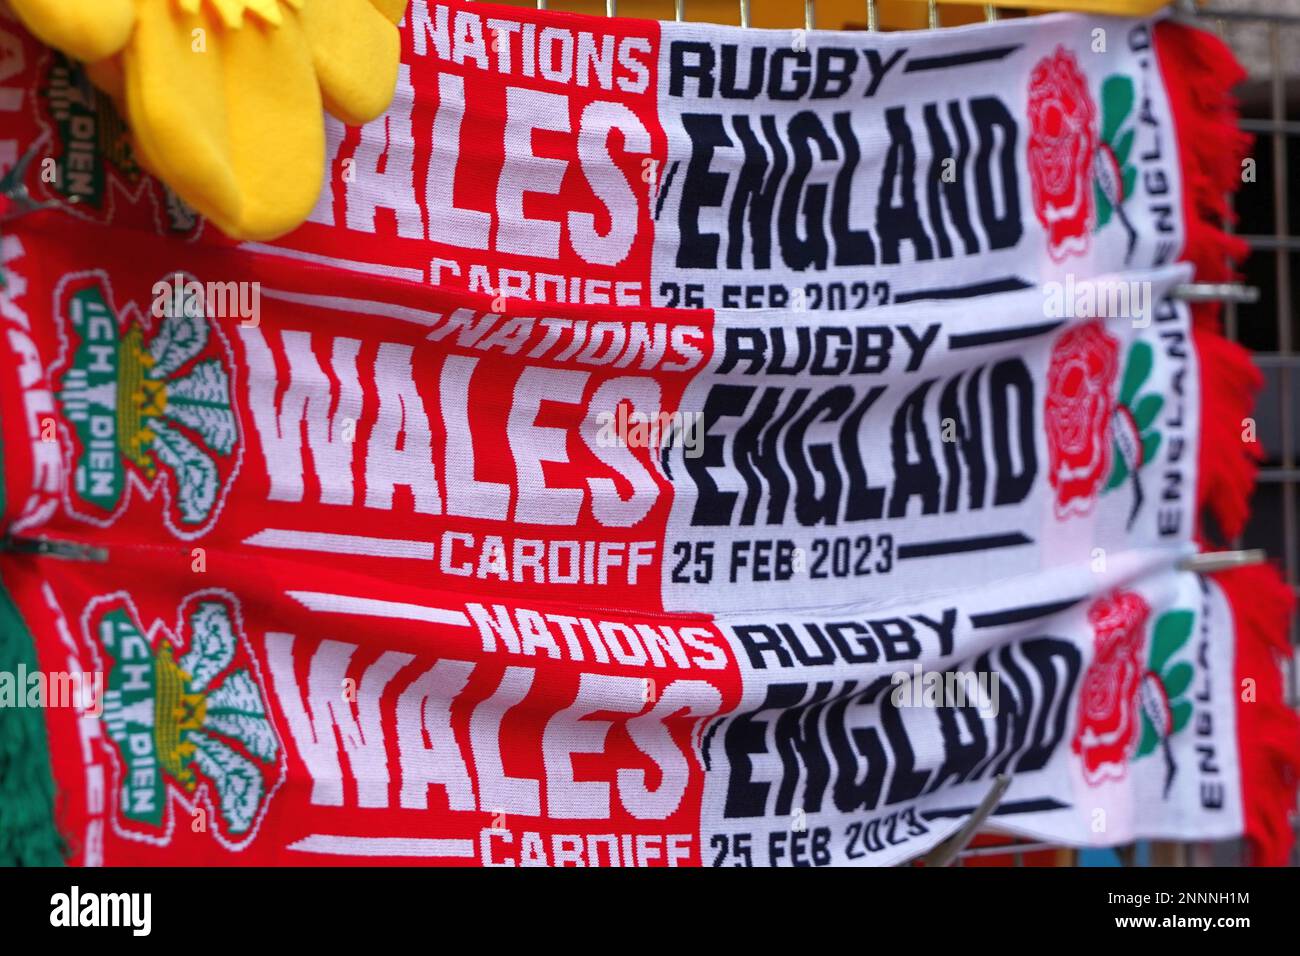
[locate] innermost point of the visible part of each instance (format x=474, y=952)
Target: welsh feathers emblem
x=1079, y=166
x=186, y=717
x=1098, y=441
x=1128, y=710
x=94, y=162
x=91, y=141
x=145, y=406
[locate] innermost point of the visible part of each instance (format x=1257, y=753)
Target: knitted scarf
x=427, y=534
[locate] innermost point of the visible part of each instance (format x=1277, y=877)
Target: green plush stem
x=28, y=835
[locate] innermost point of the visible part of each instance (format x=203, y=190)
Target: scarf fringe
x=1229, y=452
x=1268, y=731
x=1200, y=73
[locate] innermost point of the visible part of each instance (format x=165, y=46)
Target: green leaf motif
x=1104, y=209
x=1117, y=98
x=1130, y=180
x=1122, y=147
x=1138, y=368
x=1146, y=410
x=1172, y=631
x=1118, y=472
x=1150, y=739
x=1177, y=679
x=1150, y=446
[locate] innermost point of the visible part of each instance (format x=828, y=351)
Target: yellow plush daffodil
x=224, y=98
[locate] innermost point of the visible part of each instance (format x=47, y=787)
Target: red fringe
x=1230, y=453
x=1268, y=731
x=1200, y=73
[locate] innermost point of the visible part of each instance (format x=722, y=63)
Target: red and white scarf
x=385, y=575
x=379, y=560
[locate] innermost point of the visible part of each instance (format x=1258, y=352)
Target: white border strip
x=368, y=268
x=384, y=310
x=384, y=846
x=331, y=543
x=370, y=607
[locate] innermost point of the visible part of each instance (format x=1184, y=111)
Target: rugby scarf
x=377, y=572
x=554, y=157
x=585, y=160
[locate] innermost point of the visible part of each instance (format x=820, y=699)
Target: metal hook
x=871, y=16
x=1216, y=292
x=946, y=852
x=1214, y=561
x=991, y=12
x=744, y=13
x=611, y=8
x=809, y=14
x=933, y=15
x=679, y=10
x=53, y=548
x=15, y=199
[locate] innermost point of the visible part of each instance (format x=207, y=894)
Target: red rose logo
x=1108, y=700
x=1080, y=407
x=1062, y=145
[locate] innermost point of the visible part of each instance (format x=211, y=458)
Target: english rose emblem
x=1062, y=149
x=1079, y=408
x=1109, y=714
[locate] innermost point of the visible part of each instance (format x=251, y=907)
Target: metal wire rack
x=1268, y=42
